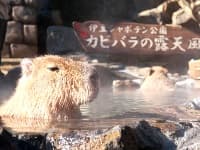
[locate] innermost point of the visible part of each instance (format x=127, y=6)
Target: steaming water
x=112, y=107
x=134, y=103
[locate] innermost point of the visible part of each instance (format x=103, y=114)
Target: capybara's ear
x=26, y=65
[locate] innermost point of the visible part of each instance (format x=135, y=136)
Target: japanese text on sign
x=139, y=36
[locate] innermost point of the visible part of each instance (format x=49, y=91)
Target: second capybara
x=157, y=81
x=50, y=87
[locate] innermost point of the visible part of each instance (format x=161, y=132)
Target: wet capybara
x=50, y=87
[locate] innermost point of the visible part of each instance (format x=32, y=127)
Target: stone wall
x=21, y=32
x=23, y=38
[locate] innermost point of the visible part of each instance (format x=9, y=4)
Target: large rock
x=30, y=34
x=152, y=135
x=24, y=14
x=23, y=50
x=20, y=142
x=15, y=2
x=138, y=137
x=143, y=136
x=14, y=32
x=61, y=40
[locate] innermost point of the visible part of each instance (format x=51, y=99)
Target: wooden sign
x=136, y=38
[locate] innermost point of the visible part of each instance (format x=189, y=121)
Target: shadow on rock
x=145, y=137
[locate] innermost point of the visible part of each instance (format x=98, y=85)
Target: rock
x=61, y=40
x=24, y=14
x=20, y=142
x=175, y=76
x=137, y=72
x=5, y=140
x=97, y=139
x=149, y=137
x=15, y=2
x=30, y=34
x=32, y=142
x=190, y=141
x=194, y=68
x=194, y=104
x=157, y=81
x=23, y=50
x=152, y=135
x=116, y=66
x=14, y=32
x=123, y=74
x=140, y=137
x=187, y=137
x=124, y=84
x=187, y=83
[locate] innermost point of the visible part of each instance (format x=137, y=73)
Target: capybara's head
x=60, y=80
x=52, y=84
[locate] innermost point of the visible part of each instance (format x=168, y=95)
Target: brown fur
x=51, y=86
x=157, y=81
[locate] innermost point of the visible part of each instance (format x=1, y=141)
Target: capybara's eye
x=53, y=68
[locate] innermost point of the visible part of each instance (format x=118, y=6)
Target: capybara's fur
x=157, y=81
x=51, y=86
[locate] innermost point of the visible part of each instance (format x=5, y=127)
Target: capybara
x=157, y=81
x=50, y=87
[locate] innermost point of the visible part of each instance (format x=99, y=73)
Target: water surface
x=113, y=107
